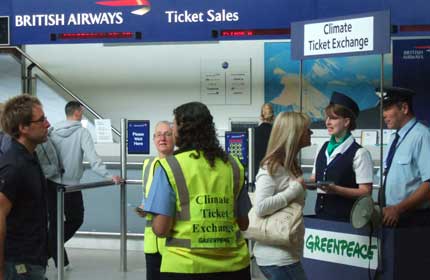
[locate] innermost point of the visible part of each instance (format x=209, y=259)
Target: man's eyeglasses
x=40, y=120
x=165, y=134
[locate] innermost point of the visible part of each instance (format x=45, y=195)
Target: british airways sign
x=41, y=21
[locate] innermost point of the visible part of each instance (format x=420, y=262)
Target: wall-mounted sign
x=107, y=21
x=138, y=137
x=103, y=131
x=350, y=35
x=236, y=144
x=225, y=81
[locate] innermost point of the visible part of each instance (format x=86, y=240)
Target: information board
x=236, y=144
x=138, y=137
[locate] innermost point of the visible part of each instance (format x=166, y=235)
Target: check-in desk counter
x=335, y=250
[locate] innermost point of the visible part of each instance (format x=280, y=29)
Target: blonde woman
x=278, y=183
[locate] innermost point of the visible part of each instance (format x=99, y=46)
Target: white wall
x=148, y=81
x=143, y=81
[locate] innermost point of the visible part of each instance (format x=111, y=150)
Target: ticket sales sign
x=353, y=35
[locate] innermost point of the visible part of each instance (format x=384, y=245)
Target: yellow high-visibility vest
x=205, y=237
x=152, y=244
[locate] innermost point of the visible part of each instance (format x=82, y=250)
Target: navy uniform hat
x=393, y=95
x=345, y=101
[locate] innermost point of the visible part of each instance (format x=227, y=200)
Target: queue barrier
x=60, y=219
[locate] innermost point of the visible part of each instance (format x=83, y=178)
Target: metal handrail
x=133, y=182
x=80, y=187
x=59, y=83
x=61, y=190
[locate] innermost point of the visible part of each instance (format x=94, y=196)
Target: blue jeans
x=287, y=272
x=20, y=271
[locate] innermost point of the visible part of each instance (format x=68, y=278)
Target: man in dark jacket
x=23, y=207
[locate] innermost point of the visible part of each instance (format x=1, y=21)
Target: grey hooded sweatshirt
x=48, y=159
x=72, y=142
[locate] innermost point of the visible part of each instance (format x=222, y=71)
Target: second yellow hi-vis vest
x=152, y=243
x=205, y=237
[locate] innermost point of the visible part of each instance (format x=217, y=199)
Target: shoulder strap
x=181, y=184
x=145, y=174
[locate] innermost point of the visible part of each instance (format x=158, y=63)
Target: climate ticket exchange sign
x=353, y=35
x=138, y=137
x=342, y=248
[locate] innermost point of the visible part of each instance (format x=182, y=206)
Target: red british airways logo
x=145, y=5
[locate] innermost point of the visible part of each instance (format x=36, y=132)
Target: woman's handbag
x=283, y=227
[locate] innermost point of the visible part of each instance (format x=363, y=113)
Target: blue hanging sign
x=361, y=34
x=92, y=21
x=138, y=137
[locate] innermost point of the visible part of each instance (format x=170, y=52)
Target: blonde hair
x=285, y=143
x=267, y=116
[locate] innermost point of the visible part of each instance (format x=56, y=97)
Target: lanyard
x=407, y=132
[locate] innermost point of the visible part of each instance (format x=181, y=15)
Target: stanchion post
x=381, y=164
x=60, y=232
x=251, y=159
x=123, y=212
x=250, y=186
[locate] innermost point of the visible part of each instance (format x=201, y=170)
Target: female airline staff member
x=199, y=203
x=341, y=161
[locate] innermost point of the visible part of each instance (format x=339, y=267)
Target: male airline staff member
x=23, y=199
x=153, y=246
x=406, y=188
x=199, y=203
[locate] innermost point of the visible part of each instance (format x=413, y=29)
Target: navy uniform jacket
x=340, y=171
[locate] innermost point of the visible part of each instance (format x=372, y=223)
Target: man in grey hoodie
x=72, y=142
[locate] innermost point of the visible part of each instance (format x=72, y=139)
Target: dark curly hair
x=196, y=130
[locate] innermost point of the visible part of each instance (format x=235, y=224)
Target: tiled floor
x=102, y=265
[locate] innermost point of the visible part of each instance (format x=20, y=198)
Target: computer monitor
x=138, y=137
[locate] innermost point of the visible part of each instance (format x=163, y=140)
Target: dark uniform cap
x=345, y=101
x=392, y=95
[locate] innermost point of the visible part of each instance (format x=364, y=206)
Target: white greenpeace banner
x=343, y=248
x=342, y=36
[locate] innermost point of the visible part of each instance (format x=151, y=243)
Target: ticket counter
x=335, y=250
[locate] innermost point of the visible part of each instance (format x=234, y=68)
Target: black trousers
x=153, y=264
x=74, y=217
x=417, y=218
x=243, y=274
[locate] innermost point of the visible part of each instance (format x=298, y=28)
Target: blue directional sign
x=138, y=137
x=236, y=144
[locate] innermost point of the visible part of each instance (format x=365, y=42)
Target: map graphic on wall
x=355, y=76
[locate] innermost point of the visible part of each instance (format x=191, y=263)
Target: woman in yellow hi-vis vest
x=199, y=203
x=153, y=246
